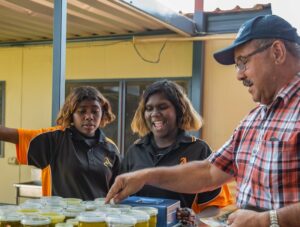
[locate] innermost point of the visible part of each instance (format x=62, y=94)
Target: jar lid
x=30, y=205
x=38, y=201
x=122, y=207
x=63, y=225
x=109, y=210
x=140, y=216
x=89, y=205
x=8, y=208
x=11, y=217
x=121, y=219
x=91, y=216
x=72, y=201
x=100, y=201
x=35, y=220
x=149, y=210
x=73, y=210
x=55, y=217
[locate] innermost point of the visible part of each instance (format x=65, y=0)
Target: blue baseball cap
x=261, y=27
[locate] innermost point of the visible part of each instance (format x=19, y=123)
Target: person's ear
x=278, y=52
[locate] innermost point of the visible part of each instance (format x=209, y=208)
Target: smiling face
x=87, y=117
x=259, y=74
x=161, y=119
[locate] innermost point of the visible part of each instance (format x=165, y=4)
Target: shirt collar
x=182, y=137
x=100, y=137
x=289, y=90
x=285, y=93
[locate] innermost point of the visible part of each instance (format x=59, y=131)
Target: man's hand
x=248, y=218
x=126, y=185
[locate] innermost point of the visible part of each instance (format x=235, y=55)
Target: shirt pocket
x=278, y=163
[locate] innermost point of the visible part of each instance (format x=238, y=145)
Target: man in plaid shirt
x=263, y=154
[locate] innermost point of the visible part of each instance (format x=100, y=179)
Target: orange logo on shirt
x=183, y=160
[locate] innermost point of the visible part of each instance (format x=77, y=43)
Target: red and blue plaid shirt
x=263, y=154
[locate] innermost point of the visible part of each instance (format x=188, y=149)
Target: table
x=31, y=189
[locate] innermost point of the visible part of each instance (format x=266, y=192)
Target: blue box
x=166, y=208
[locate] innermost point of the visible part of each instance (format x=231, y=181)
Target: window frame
x=2, y=112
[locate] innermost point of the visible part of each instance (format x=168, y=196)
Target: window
x=2, y=106
x=124, y=96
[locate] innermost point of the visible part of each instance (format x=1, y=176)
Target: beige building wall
x=27, y=72
x=226, y=100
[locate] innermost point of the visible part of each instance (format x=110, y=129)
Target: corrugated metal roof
x=26, y=21
x=32, y=20
x=237, y=8
x=229, y=21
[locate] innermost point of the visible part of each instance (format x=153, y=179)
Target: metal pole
x=59, y=56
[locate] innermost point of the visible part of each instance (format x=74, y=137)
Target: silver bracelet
x=273, y=219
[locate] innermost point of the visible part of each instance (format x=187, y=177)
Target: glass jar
x=54, y=217
x=72, y=211
x=12, y=219
x=142, y=218
x=73, y=221
x=91, y=219
x=36, y=221
x=120, y=221
x=152, y=211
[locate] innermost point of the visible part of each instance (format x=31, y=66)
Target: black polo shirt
x=79, y=169
x=144, y=154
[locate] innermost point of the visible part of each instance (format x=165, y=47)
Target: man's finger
x=113, y=191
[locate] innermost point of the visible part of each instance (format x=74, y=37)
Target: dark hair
x=65, y=116
x=187, y=117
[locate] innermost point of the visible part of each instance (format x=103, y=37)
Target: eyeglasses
x=241, y=61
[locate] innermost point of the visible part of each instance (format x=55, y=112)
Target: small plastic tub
x=91, y=219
